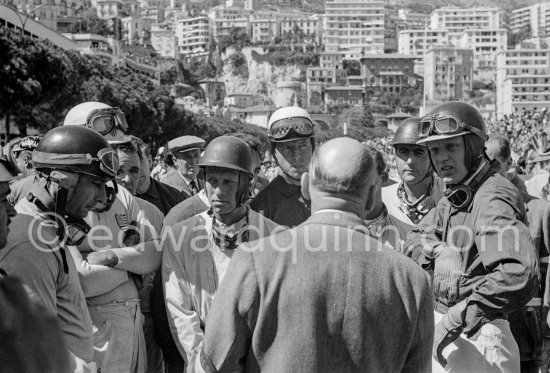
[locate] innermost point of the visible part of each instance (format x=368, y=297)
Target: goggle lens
x=459, y=198
x=108, y=159
x=106, y=120
x=121, y=119
x=301, y=126
x=446, y=126
x=102, y=124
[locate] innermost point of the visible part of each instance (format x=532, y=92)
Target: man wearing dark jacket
x=481, y=252
x=162, y=195
x=290, y=132
x=323, y=297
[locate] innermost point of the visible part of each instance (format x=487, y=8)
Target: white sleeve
x=184, y=321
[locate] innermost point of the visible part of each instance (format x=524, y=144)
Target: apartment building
x=390, y=73
x=310, y=25
x=224, y=19
x=193, y=36
x=454, y=19
x=318, y=78
x=534, y=18
x=331, y=60
x=485, y=43
x=523, y=77
x=244, y=4
x=448, y=73
x=117, y=9
x=418, y=42
x=354, y=27
x=164, y=41
x=473, y=31
x=263, y=30
x=411, y=20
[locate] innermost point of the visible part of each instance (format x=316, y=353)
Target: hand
x=446, y=332
x=131, y=236
x=447, y=274
x=105, y=258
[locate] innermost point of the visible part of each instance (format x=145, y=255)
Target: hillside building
x=224, y=19
x=534, y=19
x=523, y=77
x=354, y=27
x=388, y=73
x=454, y=19
x=193, y=35
x=448, y=73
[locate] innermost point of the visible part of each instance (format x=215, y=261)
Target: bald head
x=341, y=166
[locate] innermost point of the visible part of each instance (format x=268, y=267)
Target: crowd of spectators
x=527, y=130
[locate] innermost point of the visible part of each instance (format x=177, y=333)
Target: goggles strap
x=415, y=210
x=472, y=184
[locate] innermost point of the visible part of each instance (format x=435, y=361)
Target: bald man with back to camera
x=323, y=296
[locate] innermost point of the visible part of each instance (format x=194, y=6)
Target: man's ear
x=369, y=205
x=304, y=183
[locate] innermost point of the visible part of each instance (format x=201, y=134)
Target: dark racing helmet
x=231, y=153
x=407, y=132
x=76, y=149
x=228, y=152
x=453, y=119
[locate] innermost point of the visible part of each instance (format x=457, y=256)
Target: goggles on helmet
x=108, y=161
x=106, y=120
x=107, y=158
x=445, y=125
x=284, y=128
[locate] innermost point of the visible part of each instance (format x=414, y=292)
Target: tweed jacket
x=321, y=297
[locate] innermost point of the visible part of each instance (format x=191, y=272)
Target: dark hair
x=127, y=147
x=169, y=159
x=350, y=184
x=141, y=146
x=380, y=162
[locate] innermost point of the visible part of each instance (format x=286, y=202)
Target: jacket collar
x=337, y=218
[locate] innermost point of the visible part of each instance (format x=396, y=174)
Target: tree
x=352, y=67
x=91, y=23
x=237, y=38
x=36, y=79
x=238, y=64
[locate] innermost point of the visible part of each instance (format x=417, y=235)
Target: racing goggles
x=445, y=125
x=291, y=127
x=108, y=162
x=459, y=196
x=106, y=120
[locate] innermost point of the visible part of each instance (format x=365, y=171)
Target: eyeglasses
x=301, y=126
x=445, y=125
x=108, y=161
x=107, y=120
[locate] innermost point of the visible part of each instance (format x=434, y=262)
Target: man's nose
x=11, y=210
x=101, y=195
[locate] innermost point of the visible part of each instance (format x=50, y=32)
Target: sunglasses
x=107, y=120
x=445, y=125
x=300, y=126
